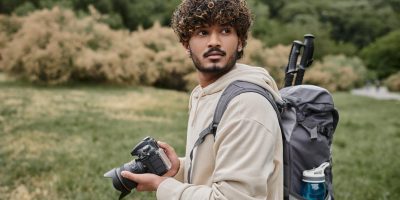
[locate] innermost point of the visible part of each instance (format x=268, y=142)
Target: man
x=244, y=160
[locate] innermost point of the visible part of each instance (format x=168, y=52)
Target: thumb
x=131, y=176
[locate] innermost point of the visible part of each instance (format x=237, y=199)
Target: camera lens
x=122, y=184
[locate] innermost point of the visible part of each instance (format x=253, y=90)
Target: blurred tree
x=8, y=6
x=132, y=13
x=25, y=8
x=260, y=11
x=383, y=55
x=275, y=6
x=51, y=3
x=360, y=22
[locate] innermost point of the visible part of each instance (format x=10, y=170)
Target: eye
x=202, y=33
x=226, y=30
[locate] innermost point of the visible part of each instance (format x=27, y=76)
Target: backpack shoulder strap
x=232, y=90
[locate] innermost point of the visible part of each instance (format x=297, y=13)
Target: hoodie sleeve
x=245, y=156
x=180, y=174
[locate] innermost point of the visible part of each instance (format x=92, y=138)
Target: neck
x=206, y=79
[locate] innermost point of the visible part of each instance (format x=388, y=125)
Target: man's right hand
x=171, y=154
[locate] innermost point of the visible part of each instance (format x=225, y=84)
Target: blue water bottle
x=314, y=187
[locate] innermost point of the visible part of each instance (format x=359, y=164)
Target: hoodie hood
x=257, y=75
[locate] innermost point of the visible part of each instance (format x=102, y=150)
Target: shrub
x=337, y=73
x=170, y=61
x=44, y=48
x=55, y=46
x=383, y=55
x=273, y=59
x=393, y=82
x=3, y=40
x=276, y=61
x=8, y=26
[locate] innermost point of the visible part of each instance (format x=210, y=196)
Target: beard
x=215, y=68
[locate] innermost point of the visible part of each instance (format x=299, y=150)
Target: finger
x=140, y=188
x=129, y=175
x=169, y=150
x=172, y=156
x=165, y=146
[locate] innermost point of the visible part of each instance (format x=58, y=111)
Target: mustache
x=213, y=50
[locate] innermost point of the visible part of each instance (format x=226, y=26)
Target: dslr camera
x=150, y=159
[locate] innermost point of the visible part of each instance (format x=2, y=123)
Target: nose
x=215, y=40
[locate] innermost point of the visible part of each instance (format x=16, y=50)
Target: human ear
x=187, y=47
x=240, y=46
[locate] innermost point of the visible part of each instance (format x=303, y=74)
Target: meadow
x=57, y=142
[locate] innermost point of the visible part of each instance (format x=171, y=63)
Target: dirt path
x=377, y=93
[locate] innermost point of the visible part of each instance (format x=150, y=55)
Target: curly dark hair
x=193, y=14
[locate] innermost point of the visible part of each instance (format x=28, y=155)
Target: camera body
x=151, y=156
x=150, y=159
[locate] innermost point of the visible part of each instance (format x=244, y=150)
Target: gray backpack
x=308, y=119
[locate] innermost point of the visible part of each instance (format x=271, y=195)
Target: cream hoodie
x=244, y=161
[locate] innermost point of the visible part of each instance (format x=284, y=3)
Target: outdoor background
x=83, y=81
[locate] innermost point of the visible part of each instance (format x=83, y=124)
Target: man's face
x=214, y=48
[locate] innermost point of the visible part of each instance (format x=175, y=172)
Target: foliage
x=393, y=82
x=47, y=46
x=351, y=20
x=273, y=59
x=170, y=60
x=8, y=26
x=54, y=47
x=383, y=55
x=129, y=14
x=337, y=73
x=273, y=33
x=340, y=25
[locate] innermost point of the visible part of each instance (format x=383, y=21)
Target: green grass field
x=57, y=142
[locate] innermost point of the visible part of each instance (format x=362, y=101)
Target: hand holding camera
x=151, y=159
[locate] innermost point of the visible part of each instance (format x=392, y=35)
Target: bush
x=9, y=25
x=46, y=46
x=337, y=73
x=170, y=61
x=383, y=55
x=273, y=59
x=393, y=82
x=54, y=47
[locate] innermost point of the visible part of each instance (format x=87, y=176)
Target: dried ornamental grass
x=273, y=59
x=54, y=47
x=336, y=73
x=393, y=82
x=41, y=51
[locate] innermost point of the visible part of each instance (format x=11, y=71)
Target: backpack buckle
x=214, y=127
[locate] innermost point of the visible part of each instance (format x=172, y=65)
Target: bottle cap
x=316, y=175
